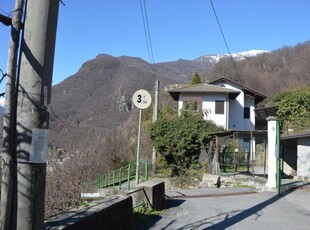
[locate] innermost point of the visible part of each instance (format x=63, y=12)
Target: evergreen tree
x=196, y=79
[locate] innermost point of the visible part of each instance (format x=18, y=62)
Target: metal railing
x=123, y=175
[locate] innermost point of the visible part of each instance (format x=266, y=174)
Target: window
x=191, y=105
x=246, y=113
x=219, y=107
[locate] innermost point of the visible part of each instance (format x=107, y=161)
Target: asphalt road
x=216, y=209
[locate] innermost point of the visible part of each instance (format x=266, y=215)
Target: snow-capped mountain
x=237, y=56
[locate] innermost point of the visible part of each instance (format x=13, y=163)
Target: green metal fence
x=123, y=175
x=235, y=161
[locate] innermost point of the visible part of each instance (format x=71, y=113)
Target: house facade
x=223, y=101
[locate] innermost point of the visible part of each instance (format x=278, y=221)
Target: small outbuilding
x=296, y=154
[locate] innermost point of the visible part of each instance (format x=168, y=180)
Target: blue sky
x=179, y=29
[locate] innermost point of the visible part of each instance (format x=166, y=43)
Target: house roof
x=258, y=96
x=175, y=90
x=291, y=136
x=263, y=113
x=241, y=133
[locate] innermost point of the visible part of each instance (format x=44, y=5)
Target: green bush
x=293, y=109
x=179, y=139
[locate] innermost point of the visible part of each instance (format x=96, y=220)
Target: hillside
x=96, y=99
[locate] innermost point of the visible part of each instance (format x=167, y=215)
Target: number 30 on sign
x=142, y=99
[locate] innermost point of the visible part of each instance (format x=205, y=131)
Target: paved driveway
x=263, y=210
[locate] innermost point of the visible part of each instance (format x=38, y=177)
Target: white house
x=227, y=103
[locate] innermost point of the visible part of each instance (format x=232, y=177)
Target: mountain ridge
x=86, y=106
x=215, y=58
x=98, y=96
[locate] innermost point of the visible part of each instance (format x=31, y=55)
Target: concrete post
x=272, y=154
x=34, y=91
x=155, y=114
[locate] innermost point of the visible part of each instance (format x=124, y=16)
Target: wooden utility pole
x=9, y=120
x=34, y=91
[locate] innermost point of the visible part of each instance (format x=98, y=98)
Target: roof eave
x=258, y=96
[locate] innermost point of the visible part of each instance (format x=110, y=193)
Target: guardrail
x=123, y=175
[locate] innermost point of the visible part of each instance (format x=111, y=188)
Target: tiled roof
x=210, y=87
x=175, y=90
x=258, y=96
x=203, y=87
x=291, y=136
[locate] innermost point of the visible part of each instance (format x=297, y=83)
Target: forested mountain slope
x=96, y=99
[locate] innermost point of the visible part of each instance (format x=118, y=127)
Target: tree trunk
x=215, y=168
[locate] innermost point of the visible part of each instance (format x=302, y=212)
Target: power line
x=6, y=13
x=62, y=2
x=147, y=32
x=223, y=36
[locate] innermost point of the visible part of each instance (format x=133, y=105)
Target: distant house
x=225, y=102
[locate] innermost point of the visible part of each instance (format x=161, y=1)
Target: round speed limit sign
x=142, y=99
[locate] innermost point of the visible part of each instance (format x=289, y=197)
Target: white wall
x=180, y=103
x=236, y=109
x=236, y=120
x=232, y=118
x=249, y=124
x=303, y=157
x=208, y=105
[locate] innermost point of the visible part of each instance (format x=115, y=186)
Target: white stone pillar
x=272, y=155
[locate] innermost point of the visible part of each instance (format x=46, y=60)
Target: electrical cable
x=62, y=2
x=7, y=14
x=147, y=33
x=147, y=30
x=225, y=41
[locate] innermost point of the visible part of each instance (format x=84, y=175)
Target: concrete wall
x=113, y=213
x=154, y=192
x=303, y=159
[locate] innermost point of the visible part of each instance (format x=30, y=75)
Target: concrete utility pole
x=9, y=119
x=34, y=91
x=155, y=115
